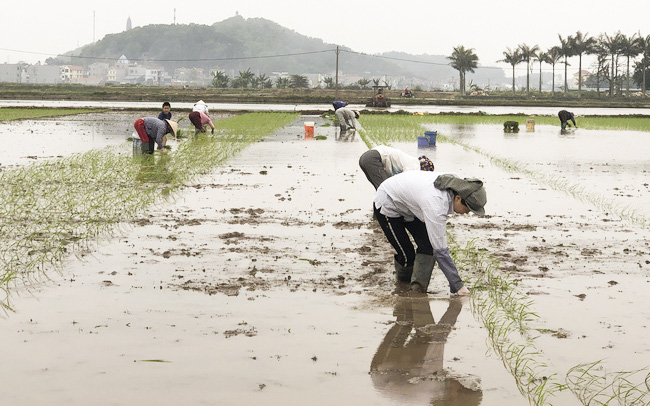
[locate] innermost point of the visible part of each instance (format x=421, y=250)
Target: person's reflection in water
x=155, y=169
x=345, y=135
x=408, y=365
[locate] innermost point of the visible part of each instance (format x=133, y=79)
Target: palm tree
x=244, y=79
x=541, y=57
x=553, y=56
x=645, y=61
x=220, y=79
x=463, y=60
x=599, y=50
x=631, y=47
x=527, y=53
x=329, y=82
x=612, y=44
x=298, y=81
x=566, y=52
x=513, y=58
x=580, y=44
x=282, y=82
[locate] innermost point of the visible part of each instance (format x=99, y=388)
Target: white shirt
x=396, y=161
x=412, y=195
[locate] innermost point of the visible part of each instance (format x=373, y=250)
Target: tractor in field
x=378, y=97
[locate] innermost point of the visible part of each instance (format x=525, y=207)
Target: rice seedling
x=50, y=210
x=505, y=313
x=591, y=384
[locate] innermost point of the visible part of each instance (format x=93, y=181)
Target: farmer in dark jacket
x=565, y=116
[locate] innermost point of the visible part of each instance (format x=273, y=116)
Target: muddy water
x=586, y=268
x=266, y=282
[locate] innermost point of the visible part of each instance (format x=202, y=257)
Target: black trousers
x=370, y=163
x=397, y=232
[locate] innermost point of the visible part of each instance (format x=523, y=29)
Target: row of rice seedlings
x=505, y=313
x=593, y=386
x=387, y=129
x=509, y=337
x=623, y=122
x=600, y=201
x=53, y=208
x=16, y=114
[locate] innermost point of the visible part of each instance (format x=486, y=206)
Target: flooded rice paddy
x=267, y=282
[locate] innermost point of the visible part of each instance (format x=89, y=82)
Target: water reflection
x=345, y=136
x=154, y=168
x=408, y=365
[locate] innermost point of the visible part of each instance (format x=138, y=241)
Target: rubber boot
x=422, y=269
x=403, y=273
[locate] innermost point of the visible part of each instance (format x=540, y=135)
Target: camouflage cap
x=471, y=190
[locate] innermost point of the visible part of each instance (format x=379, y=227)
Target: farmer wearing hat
x=382, y=162
x=202, y=107
x=347, y=119
x=420, y=202
x=153, y=131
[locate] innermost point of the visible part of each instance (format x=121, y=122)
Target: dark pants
x=148, y=143
x=195, y=119
x=397, y=232
x=371, y=165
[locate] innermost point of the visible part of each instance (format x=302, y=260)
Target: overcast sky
x=32, y=31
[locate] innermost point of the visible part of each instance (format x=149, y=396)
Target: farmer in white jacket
x=420, y=202
x=382, y=162
x=348, y=119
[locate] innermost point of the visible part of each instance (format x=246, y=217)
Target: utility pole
x=93, y=26
x=174, y=16
x=336, y=86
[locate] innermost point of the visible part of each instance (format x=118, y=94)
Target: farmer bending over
x=199, y=120
x=347, y=119
x=564, y=117
x=154, y=131
x=382, y=162
x=420, y=202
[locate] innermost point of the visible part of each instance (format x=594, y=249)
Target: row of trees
x=613, y=53
x=248, y=79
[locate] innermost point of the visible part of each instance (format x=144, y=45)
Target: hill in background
x=263, y=46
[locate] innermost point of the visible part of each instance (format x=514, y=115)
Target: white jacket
x=396, y=161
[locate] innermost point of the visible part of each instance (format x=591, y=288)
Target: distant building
x=13, y=72
x=576, y=78
x=72, y=74
x=135, y=74
x=41, y=74
x=128, y=23
x=154, y=76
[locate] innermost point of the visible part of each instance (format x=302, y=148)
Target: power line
x=172, y=60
